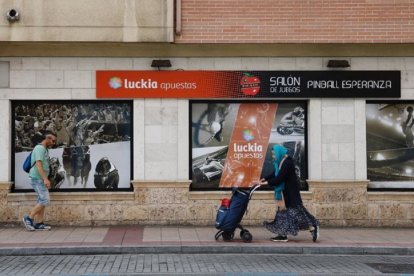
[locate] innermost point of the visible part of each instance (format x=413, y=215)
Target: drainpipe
x=178, y=17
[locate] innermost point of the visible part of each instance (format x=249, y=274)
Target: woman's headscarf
x=279, y=152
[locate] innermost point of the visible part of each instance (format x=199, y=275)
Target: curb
x=214, y=249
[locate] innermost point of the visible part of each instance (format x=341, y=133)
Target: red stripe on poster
x=248, y=144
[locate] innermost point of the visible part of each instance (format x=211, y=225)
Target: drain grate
x=392, y=268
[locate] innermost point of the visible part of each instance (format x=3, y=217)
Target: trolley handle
x=253, y=189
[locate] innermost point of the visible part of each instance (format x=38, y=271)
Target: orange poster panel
x=248, y=144
x=173, y=84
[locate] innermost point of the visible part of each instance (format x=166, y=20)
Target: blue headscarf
x=279, y=152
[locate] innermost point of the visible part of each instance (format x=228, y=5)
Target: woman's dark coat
x=287, y=174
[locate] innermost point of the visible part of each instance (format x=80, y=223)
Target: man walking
x=39, y=180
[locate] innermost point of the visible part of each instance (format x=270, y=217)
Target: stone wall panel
x=135, y=213
x=391, y=211
x=23, y=210
x=332, y=222
x=260, y=210
x=355, y=211
x=66, y=213
x=142, y=196
x=339, y=195
x=411, y=212
x=3, y=195
x=9, y=214
x=362, y=223
x=97, y=212
x=117, y=212
x=201, y=211
x=180, y=196
x=161, y=213
x=327, y=211
x=161, y=196
x=337, y=204
x=181, y=215
x=373, y=211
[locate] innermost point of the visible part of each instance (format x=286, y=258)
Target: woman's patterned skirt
x=291, y=220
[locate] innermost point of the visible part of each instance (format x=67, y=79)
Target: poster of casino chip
x=232, y=141
x=390, y=145
x=92, y=149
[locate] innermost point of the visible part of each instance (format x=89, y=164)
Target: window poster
x=390, y=144
x=232, y=141
x=93, y=147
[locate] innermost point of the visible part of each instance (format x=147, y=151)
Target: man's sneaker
x=315, y=233
x=42, y=226
x=28, y=223
x=279, y=238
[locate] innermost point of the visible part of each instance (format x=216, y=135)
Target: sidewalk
x=187, y=239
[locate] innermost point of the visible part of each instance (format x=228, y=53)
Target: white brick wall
x=35, y=94
x=78, y=79
x=63, y=64
x=139, y=140
x=49, y=79
x=5, y=122
x=315, y=139
x=83, y=94
x=183, y=140
x=286, y=64
x=91, y=63
x=309, y=64
x=360, y=140
x=336, y=130
x=35, y=63
x=338, y=138
x=258, y=63
x=4, y=74
x=22, y=79
x=200, y=64
x=119, y=63
x=15, y=63
x=227, y=63
x=364, y=63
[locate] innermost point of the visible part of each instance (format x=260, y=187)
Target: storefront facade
x=338, y=133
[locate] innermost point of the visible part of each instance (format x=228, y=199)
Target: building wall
x=297, y=21
x=218, y=35
x=210, y=21
x=92, y=20
x=336, y=148
x=336, y=126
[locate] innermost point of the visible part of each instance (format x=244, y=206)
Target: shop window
x=231, y=141
x=93, y=147
x=390, y=145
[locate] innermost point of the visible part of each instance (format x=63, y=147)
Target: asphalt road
x=207, y=264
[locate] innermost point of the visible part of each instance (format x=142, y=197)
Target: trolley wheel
x=228, y=236
x=242, y=232
x=247, y=237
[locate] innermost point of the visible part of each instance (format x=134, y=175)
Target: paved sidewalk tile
x=188, y=234
x=206, y=233
x=58, y=234
x=96, y=234
x=170, y=234
x=121, y=239
x=13, y=236
x=78, y=234
x=133, y=235
x=152, y=234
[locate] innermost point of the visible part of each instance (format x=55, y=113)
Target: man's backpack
x=27, y=164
